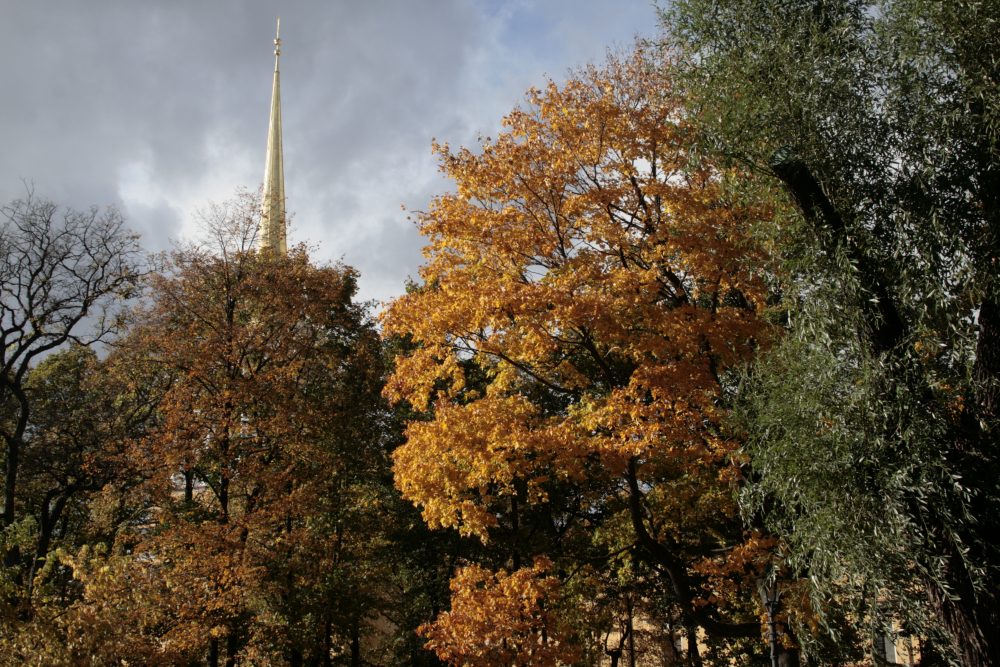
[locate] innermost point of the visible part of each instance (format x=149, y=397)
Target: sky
x=160, y=107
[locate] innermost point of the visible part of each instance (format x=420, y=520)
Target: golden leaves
x=587, y=288
x=457, y=465
x=502, y=618
x=582, y=253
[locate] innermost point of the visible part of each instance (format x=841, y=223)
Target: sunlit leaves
x=582, y=251
x=587, y=288
x=502, y=619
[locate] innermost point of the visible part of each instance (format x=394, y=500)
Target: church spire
x=272, y=234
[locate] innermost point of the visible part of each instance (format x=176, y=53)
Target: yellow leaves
x=586, y=289
x=502, y=618
x=470, y=455
x=126, y=608
x=419, y=374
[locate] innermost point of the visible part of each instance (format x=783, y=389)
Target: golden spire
x=272, y=223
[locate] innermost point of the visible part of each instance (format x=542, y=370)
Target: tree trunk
x=232, y=648
x=694, y=657
x=10, y=483
x=356, y=644
x=971, y=616
x=213, y=652
x=327, y=632
x=631, y=633
x=663, y=558
x=49, y=519
x=14, y=440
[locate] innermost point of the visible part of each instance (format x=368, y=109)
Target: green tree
x=63, y=277
x=82, y=427
x=79, y=479
x=874, y=425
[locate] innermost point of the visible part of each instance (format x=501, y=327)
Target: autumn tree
x=873, y=426
x=265, y=431
x=588, y=289
x=81, y=474
x=501, y=619
x=250, y=515
x=217, y=487
x=63, y=275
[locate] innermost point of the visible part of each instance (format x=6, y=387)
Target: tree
x=873, y=428
x=267, y=424
x=501, y=619
x=588, y=290
x=83, y=479
x=60, y=271
x=259, y=531
x=79, y=442
x=217, y=486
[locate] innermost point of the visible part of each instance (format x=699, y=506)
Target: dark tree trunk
x=327, y=632
x=693, y=655
x=50, y=515
x=232, y=648
x=663, y=558
x=10, y=482
x=213, y=652
x=630, y=630
x=13, y=441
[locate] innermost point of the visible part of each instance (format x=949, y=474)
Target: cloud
x=159, y=108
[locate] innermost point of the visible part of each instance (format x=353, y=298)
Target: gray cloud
x=161, y=107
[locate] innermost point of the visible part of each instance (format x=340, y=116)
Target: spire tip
x=273, y=199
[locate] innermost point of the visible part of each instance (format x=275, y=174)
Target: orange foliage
x=501, y=619
x=272, y=369
x=586, y=288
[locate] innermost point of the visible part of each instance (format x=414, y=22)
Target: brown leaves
x=273, y=383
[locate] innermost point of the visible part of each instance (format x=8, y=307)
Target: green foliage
x=871, y=426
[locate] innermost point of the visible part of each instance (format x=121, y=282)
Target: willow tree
x=588, y=289
x=874, y=428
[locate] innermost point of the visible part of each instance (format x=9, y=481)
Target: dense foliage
x=215, y=488
x=873, y=425
x=588, y=290
x=707, y=334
